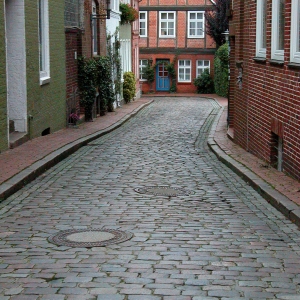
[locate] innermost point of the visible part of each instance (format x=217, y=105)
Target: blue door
x=162, y=77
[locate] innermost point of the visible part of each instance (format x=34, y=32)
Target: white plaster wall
x=16, y=63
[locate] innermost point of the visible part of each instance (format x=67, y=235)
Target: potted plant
x=128, y=13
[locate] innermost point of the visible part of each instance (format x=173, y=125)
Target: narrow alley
x=147, y=212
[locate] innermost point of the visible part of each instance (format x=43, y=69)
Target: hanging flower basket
x=128, y=14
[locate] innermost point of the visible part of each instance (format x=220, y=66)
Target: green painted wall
x=3, y=101
x=46, y=103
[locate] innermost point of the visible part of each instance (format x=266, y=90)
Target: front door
x=162, y=76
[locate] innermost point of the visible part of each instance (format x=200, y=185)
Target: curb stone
x=283, y=204
x=30, y=173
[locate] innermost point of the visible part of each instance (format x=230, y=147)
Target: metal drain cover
x=89, y=237
x=163, y=191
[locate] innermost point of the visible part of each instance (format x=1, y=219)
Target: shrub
x=128, y=86
x=221, y=71
x=104, y=84
x=204, y=83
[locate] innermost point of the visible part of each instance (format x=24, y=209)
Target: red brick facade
x=265, y=109
x=79, y=43
x=155, y=47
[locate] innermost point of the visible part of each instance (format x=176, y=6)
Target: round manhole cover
x=89, y=237
x=163, y=191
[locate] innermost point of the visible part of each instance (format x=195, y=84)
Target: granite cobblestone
x=224, y=241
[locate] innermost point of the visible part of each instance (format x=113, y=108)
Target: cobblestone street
x=214, y=238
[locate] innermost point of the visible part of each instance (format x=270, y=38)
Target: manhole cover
x=163, y=191
x=89, y=237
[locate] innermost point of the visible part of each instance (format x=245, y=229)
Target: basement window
x=276, y=156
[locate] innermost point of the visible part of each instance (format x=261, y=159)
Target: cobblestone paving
x=221, y=242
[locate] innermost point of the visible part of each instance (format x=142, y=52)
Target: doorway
x=16, y=67
x=162, y=76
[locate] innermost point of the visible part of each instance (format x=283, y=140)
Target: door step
x=17, y=138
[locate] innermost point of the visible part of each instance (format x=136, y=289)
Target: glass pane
x=164, y=16
x=163, y=25
x=200, y=63
x=192, y=32
x=171, y=16
x=171, y=25
x=199, y=16
x=281, y=19
x=264, y=24
x=206, y=63
x=181, y=63
x=298, y=30
x=171, y=32
x=188, y=63
x=192, y=25
x=192, y=16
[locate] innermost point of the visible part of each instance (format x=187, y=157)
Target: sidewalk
x=24, y=163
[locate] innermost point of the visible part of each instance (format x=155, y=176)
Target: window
x=261, y=22
x=278, y=20
x=167, y=24
x=143, y=66
x=94, y=30
x=115, y=5
x=295, y=31
x=44, y=42
x=143, y=24
x=184, y=70
x=196, y=24
x=201, y=66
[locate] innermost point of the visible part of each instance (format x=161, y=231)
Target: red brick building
x=264, y=99
x=84, y=37
x=172, y=29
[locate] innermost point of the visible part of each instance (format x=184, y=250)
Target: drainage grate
x=88, y=238
x=163, y=191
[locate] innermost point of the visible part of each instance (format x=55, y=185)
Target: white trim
x=260, y=18
x=295, y=30
x=277, y=54
x=196, y=20
x=94, y=29
x=145, y=21
x=185, y=68
x=168, y=21
x=44, y=42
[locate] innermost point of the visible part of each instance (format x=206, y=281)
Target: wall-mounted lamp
x=104, y=12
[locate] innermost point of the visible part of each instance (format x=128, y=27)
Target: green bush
x=87, y=85
x=128, y=86
x=204, y=83
x=104, y=84
x=221, y=71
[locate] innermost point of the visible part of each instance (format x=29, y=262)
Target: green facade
x=47, y=103
x=3, y=101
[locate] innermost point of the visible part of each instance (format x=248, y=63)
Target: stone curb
x=283, y=204
x=27, y=175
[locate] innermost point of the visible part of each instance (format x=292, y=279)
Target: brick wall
x=268, y=104
x=3, y=101
x=156, y=47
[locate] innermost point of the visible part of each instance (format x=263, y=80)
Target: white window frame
x=276, y=54
x=141, y=66
x=168, y=21
x=196, y=20
x=260, y=18
x=94, y=29
x=115, y=5
x=44, y=42
x=202, y=68
x=295, y=30
x=185, y=68
x=145, y=22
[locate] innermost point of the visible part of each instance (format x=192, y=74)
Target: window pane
x=164, y=16
x=264, y=24
x=281, y=22
x=192, y=16
x=298, y=30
